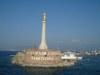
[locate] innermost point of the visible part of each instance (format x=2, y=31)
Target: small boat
x=70, y=56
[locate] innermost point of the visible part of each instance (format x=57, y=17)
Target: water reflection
x=41, y=71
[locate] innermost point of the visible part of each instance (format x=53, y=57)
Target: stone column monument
x=43, y=44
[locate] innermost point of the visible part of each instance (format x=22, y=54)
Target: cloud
x=75, y=40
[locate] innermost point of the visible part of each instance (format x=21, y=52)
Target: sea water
x=89, y=65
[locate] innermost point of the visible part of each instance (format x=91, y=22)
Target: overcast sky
x=70, y=23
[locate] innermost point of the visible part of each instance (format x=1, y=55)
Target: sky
x=70, y=23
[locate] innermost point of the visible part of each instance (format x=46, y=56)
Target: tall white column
x=43, y=44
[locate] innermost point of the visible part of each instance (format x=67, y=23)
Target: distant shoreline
x=10, y=50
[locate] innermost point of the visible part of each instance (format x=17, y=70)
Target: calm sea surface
x=88, y=66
